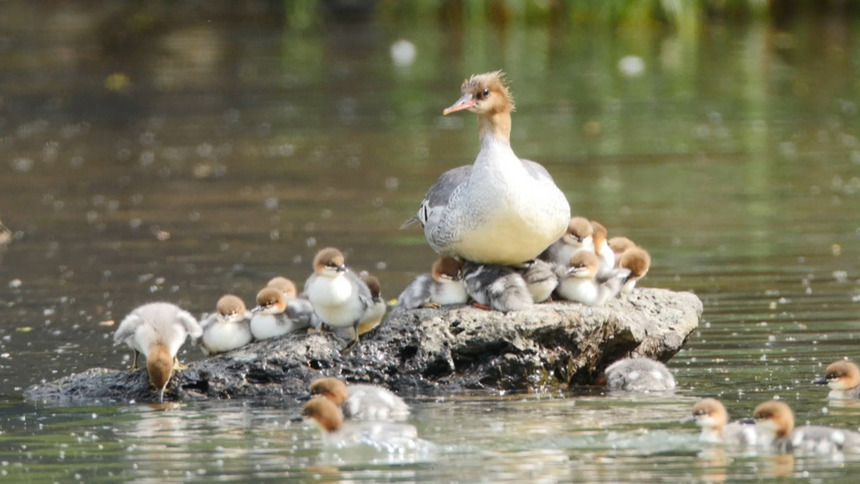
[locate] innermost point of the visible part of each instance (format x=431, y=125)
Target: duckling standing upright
x=440, y=287
x=843, y=378
x=500, y=210
x=340, y=298
x=228, y=328
x=157, y=330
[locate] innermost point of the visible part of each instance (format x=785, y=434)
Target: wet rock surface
x=424, y=351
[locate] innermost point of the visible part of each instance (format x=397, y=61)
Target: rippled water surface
x=153, y=155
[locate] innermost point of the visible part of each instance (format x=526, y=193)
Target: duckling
x=157, y=330
x=496, y=287
x=579, y=236
x=843, y=378
x=361, y=401
x=227, y=329
x=711, y=416
x=374, y=314
x=639, y=375
x=340, y=298
x=578, y=283
x=637, y=261
x=540, y=279
x=775, y=421
x=273, y=317
x=442, y=286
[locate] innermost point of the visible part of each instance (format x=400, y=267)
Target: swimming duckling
x=361, y=401
x=775, y=421
x=442, y=286
x=843, y=378
x=496, y=287
x=157, y=330
x=711, y=416
x=228, y=328
x=639, y=375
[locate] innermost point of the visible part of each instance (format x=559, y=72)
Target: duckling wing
x=439, y=194
x=189, y=323
x=127, y=328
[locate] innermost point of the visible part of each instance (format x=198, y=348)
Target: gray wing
x=439, y=193
x=127, y=328
x=416, y=294
x=301, y=312
x=611, y=286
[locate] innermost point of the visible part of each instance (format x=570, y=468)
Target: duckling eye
x=486, y=92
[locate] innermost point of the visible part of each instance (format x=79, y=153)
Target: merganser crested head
x=620, y=244
x=326, y=414
x=843, y=378
x=231, y=308
x=484, y=94
x=446, y=269
x=159, y=365
x=329, y=262
x=270, y=300
x=330, y=388
x=285, y=285
x=583, y=264
x=774, y=418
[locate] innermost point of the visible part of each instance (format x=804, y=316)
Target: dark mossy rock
x=425, y=351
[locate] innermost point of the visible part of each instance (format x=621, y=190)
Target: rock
x=426, y=351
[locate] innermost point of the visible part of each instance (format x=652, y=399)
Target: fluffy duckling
x=228, y=328
x=775, y=421
x=273, y=317
x=578, y=283
x=395, y=439
x=496, y=287
x=639, y=375
x=540, y=279
x=711, y=416
x=618, y=245
x=441, y=287
x=500, y=197
x=299, y=309
x=601, y=248
x=843, y=378
x=374, y=314
x=157, y=330
x=340, y=298
x=579, y=236
x=637, y=261
x=361, y=401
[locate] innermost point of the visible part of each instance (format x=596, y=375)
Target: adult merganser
x=578, y=283
x=470, y=209
x=639, y=375
x=711, y=416
x=361, y=401
x=601, y=247
x=228, y=328
x=843, y=378
x=157, y=330
x=579, y=236
x=776, y=422
x=340, y=298
x=637, y=261
x=440, y=287
x=540, y=278
x=374, y=314
x=396, y=440
x=496, y=287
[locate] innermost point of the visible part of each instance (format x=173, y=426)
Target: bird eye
x=486, y=92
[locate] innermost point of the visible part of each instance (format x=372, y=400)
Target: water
x=147, y=158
